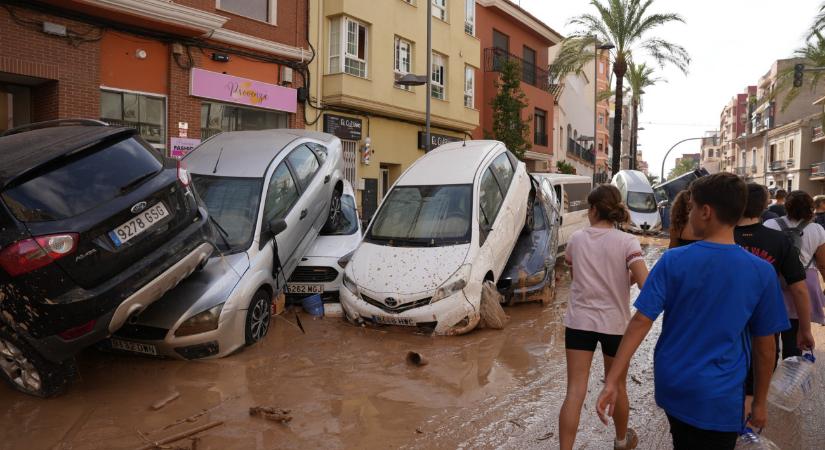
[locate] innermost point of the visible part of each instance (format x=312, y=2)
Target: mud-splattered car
x=447, y=225
x=95, y=225
x=530, y=274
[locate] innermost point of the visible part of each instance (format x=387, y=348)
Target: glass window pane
x=425, y=215
x=281, y=194
x=111, y=105
x=490, y=199
x=233, y=203
x=304, y=164
x=256, y=9
x=130, y=107
x=503, y=170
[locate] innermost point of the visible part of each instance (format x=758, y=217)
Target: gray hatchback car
x=263, y=190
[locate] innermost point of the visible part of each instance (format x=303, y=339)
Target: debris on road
x=416, y=359
x=492, y=314
x=165, y=401
x=635, y=379
x=545, y=436
x=151, y=445
x=270, y=413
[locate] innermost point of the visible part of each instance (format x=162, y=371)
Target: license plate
x=135, y=347
x=384, y=320
x=304, y=288
x=138, y=224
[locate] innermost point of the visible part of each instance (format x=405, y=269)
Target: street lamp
x=596, y=54
x=671, y=149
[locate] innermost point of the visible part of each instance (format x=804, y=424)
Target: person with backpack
x=819, y=210
x=809, y=239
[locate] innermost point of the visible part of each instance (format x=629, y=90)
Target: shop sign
x=436, y=140
x=343, y=127
x=182, y=146
x=228, y=88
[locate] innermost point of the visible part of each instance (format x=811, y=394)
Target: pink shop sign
x=228, y=88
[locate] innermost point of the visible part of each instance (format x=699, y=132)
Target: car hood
x=404, y=270
x=200, y=291
x=529, y=255
x=333, y=246
x=638, y=218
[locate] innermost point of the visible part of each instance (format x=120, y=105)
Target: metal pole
x=428, y=141
x=671, y=149
x=595, y=104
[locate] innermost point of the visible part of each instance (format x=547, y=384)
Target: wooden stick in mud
x=181, y=435
x=163, y=402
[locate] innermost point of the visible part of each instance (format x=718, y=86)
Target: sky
x=731, y=42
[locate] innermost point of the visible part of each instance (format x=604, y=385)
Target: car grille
x=311, y=274
x=142, y=332
x=398, y=309
x=327, y=297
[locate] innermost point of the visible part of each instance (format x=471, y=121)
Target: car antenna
x=218, y=161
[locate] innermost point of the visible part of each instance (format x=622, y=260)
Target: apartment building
x=361, y=50
x=711, y=152
x=176, y=71
x=733, y=122
x=509, y=33
x=791, y=151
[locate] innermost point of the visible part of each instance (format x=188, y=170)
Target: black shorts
x=688, y=437
x=587, y=340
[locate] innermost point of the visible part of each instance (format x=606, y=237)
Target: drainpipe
x=319, y=50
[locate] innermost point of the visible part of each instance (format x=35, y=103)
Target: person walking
x=681, y=233
x=778, y=206
x=605, y=263
x=716, y=299
x=810, y=241
x=775, y=248
x=819, y=210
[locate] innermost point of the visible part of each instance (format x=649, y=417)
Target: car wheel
x=28, y=372
x=335, y=214
x=258, y=317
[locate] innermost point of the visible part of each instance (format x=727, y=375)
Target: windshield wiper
x=221, y=231
x=128, y=186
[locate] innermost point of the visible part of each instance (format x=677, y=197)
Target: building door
x=15, y=106
x=385, y=182
x=369, y=199
x=350, y=149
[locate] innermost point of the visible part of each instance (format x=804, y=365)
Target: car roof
x=23, y=152
x=562, y=178
x=246, y=153
x=636, y=180
x=453, y=163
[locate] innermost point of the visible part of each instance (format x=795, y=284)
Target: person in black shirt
x=776, y=248
x=778, y=207
x=819, y=210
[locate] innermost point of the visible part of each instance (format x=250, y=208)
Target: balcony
x=818, y=134
x=818, y=171
x=781, y=164
x=576, y=149
x=530, y=73
x=540, y=139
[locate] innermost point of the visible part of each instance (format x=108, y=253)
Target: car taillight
x=31, y=254
x=183, y=174
x=76, y=332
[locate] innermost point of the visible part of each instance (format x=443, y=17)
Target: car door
x=281, y=202
x=491, y=231
x=313, y=203
x=504, y=172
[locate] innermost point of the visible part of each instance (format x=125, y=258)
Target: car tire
x=27, y=371
x=258, y=317
x=334, y=215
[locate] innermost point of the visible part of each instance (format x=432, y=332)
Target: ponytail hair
x=607, y=200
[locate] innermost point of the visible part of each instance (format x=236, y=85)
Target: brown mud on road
x=343, y=387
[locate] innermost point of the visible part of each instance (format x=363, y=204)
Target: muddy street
x=344, y=387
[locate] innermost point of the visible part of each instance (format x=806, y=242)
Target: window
x=233, y=203
x=790, y=149
x=469, y=86
x=145, y=113
x=263, y=10
x=281, y=194
x=439, y=76
x=601, y=66
x=790, y=185
x=403, y=60
x=440, y=9
x=528, y=66
x=219, y=117
x=601, y=118
x=540, y=121
x=470, y=17
x=503, y=169
x=753, y=158
x=348, y=39
x=304, y=164
x=490, y=199
x=501, y=41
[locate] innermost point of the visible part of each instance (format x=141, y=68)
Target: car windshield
x=428, y=216
x=349, y=220
x=233, y=206
x=641, y=202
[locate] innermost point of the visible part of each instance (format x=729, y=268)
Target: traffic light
x=798, y=70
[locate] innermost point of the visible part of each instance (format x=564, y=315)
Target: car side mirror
x=277, y=226
x=663, y=204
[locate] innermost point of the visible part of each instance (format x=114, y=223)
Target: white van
x=637, y=194
x=570, y=193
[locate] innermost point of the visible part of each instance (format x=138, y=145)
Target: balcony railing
x=494, y=58
x=818, y=134
x=781, y=164
x=540, y=139
x=818, y=171
x=576, y=149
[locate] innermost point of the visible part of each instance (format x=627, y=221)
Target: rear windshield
x=349, y=220
x=233, y=206
x=77, y=183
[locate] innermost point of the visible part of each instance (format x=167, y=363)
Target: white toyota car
x=448, y=224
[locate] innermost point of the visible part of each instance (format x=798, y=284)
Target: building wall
x=574, y=111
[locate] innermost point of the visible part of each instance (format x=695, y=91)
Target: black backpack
x=795, y=234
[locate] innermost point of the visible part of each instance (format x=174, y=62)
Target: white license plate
x=304, y=288
x=138, y=224
x=135, y=347
x=402, y=321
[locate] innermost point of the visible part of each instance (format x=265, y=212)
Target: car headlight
x=344, y=260
x=455, y=283
x=350, y=284
x=536, y=278
x=201, y=322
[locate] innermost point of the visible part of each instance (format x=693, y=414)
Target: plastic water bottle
x=792, y=381
x=749, y=440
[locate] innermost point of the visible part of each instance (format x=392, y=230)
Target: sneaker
x=631, y=441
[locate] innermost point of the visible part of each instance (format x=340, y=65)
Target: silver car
x=264, y=190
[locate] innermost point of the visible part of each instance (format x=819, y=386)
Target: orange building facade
x=508, y=32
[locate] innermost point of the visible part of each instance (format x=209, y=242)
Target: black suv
x=95, y=225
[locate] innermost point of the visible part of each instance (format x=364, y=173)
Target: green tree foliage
x=628, y=26
x=508, y=125
x=652, y=179
x=565, y=167
x=684, y=166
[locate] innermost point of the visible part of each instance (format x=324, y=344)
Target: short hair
x=819, y=200
x=725, y=193
x=800, y=206
x=757, y=199
x=780, y=194
x=679, y=212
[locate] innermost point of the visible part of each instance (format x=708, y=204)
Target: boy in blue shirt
x=716, y=297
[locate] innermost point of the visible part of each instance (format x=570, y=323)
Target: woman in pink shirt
x=605, y=263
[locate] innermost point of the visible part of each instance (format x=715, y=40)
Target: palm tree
x=638, y=78
x=625, y=24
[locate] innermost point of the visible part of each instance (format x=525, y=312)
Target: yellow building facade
x=361, y=48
